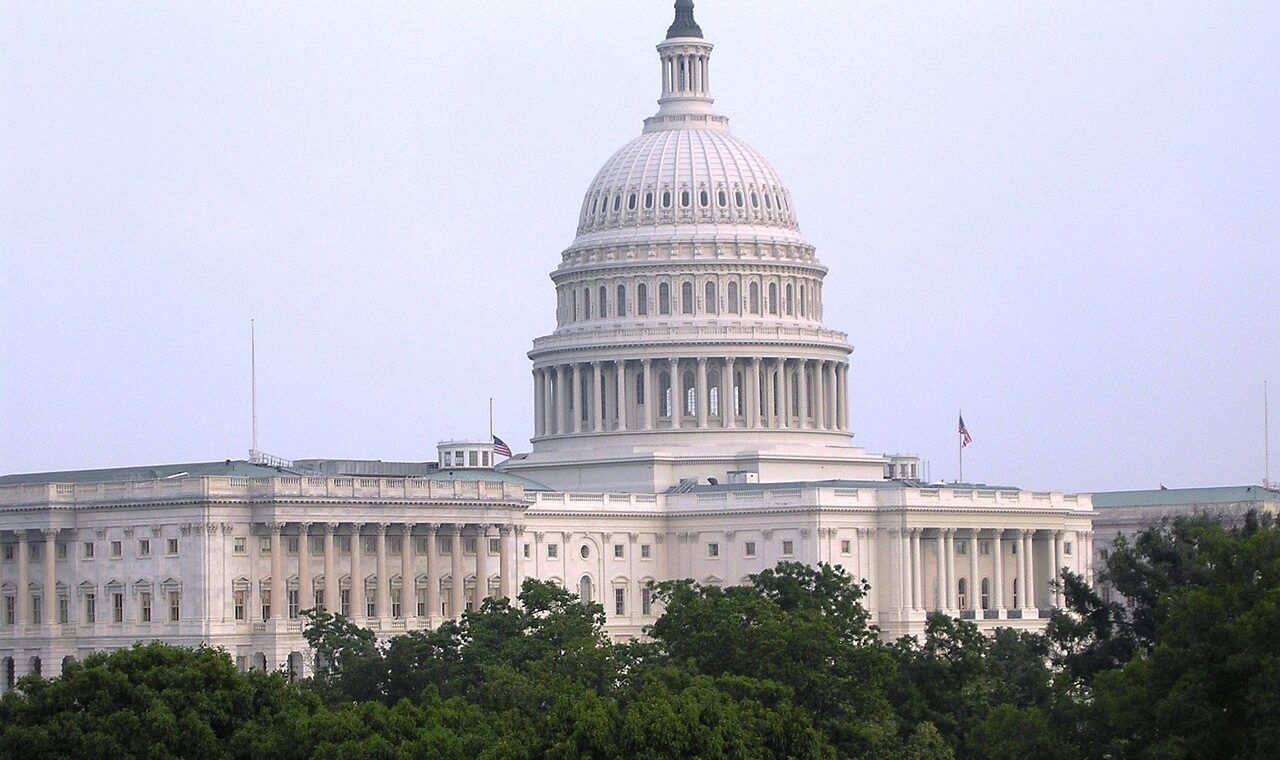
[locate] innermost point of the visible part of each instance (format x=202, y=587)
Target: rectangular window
x=370, y=606
x=117, y=608
x=473, y=458
x=117, y=548
x=266, y=604
x=553, y=551
x=33, y=551
x=645, y=551
x=291, y=544
x=64, y=609
x=788, y=548
x=422, y=602
x=423, y=545
x=344, y=601
x=10, y=608
x=175, y=606
x=528, y=549
x=144, y=547
x=448, y=459
x=60, y=551
x=962, y=548
x=395, y=544
x=713, y=550
x=344, y=544
x=484, y=458
x=495, y=546
x=87, y=550
x=646, y=601
x=35, y=609
x=749, y=549
x=8, y=552
x=445, y=544
x=469, y=545
x=144, y=607
x=172, y=548
x=370, y=544
x=318, y=600
x=90, y=608
x=264, y=545
x=238, y=603
x=1066, y=548
x=317, y=544
x=294, y=603
x=984, y=548
x=846, y=546
x=239, y=545
x=619, y=601
x=1102, y=553
x=617, y=551
x=395, y=604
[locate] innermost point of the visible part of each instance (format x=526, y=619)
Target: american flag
x=965, y=438
x=500, y=447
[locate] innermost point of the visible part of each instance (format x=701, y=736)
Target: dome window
x=768, y=202
x=666, y=199
x=704, y=199
x=737, y=198
x=755, y=298
x=755, y=200
x=685, y=198
x=604, y=302
x=631, y=202
x=711, y=304
x=773, y=298
x=648, y=200
x=621, y=304
x=731, y=295
x=722, y=199
x=686, y=298
x=664, y=298
x=791, y=302
x=586, y=303
x=617, y=201
x=642, y=300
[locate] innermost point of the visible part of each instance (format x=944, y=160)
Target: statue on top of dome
x=684, y=25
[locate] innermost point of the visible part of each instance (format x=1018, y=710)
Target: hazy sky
x=1061, y=217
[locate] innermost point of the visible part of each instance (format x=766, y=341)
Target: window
x=60, y=551
x=448, y=459
x=117, y=548
x=1066, y=548
x=704, y=199
x=238, y=605
x=642, y=300
x=117, y=607
x=666, y=199
x=64, y=610
x=584, y=589
x=604, y=302
x=737, y=198
x=621, y=303
x=619, y=601
x=1102, y=553
x=962, y=548
x=291, y=544
x=553, y=551
x=962, y=597
x=986, y=593
x=749, y=549
x=144, y=607
x=344, y=544
x=754, y=290
x=685, y=199
x=294, y=603
x=773, y=298
x=239, y=545
x=686, y=298
x=172, y=548
x=846, y=546
x=617, y=551
x=86, y=550
x=473, y=458
x=631, y=202
x=664, y=298
x=264, y=545
x=266, y=603
x=444, y=544
x=344, y=601
x=90, y=607
x=640, y=388
x=1015, y=591
x=788, y=548
x=175, y=606
x=791, y=303
x=370, y=605
x=713, y=550
x=710, y=303
x=469, y=545
x=731, y=295
x=144, y=547
x=318, y=600
x=586, y=303
x=495, y=546
x=648, y=200
x=646, y=601
x=33, y=551
x=722, y=199
x=36, y=617
x=8, y=552
x=984, y=548
x=10, y=610
x=645, y=551
x=527, y=551
x=422, y=602
x=584, y=551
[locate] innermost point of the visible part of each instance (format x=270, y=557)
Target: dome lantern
x=686, y=69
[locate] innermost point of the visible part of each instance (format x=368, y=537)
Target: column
x=24, y=580
x=433, y=575
x=904, y=568
x=382, y=595
x=620, y=377
x=997, y=595
x=842, y=385
x=701, y=406
x=728, y=405
x=408, y=583
x=649, y=415
x=539, y=403
x=576, y=411
x=942, y=570
x=802, y=379
x=555, y=389
x=975, y=584
x=279, y=600
x=458, y=589
x=597, y=398
x=820, y=395
x=951, y=569
x=50, y=601
x=306, y=596
x=754, y=400
x=482, y=564
x=831, y=422
x=677, y=400
x=769, y=379
x=357, y=573
x=504, y=561
x=783, y=389
x=330, y=570
x=917, y=571
x=1057, y=568
x=1028, y=573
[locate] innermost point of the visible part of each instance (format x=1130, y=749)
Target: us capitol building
x=691, y=420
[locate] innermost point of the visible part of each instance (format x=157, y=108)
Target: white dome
x=686, y=175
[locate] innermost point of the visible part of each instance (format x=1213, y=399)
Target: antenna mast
x=1266, y=437
x=253, y=392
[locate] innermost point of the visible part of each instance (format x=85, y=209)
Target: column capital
x=702, y=360
x=49, y=533
x=645, y=362
x=356, y=527
x=380, y=527
x=304, y=528
x=276, y=528
x=329, y=527
x=408, y=528
x=505, y=528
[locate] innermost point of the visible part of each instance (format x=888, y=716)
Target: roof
x=238, y=468
x=886, y=484
x=489, y=476
x=1174, y=496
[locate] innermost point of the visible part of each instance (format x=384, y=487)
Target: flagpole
x=960, y=448
x=491, y=420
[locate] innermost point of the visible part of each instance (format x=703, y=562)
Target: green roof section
x=1168, y=497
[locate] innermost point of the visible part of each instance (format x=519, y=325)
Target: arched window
x=737, y=198
x=686, y=298
x=666, y=199
x=648, y=200
x=631, y=202
x=713, y=394
x=704, y=199
x=621, y=305
x=617, y=201
x=755, y=298
x=804, y=310
x=574, y=315
x=584, y=589
x=604, y=302
x=685, y=199
x=642, y=300
x=731, y=295
x=773, y=298
x=690, y=394
x=962, y=598
x=664, y=298
x=586, y=303
x=768, y=202
x=664, y=391
x=755, y=200
x=986, y=593
x=791, y=303
x=711, y=304
x=640, y=388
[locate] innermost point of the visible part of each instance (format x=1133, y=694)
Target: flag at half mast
x=965, y=438
x=500, y=447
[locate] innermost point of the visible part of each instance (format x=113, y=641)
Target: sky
x=1062, y=218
